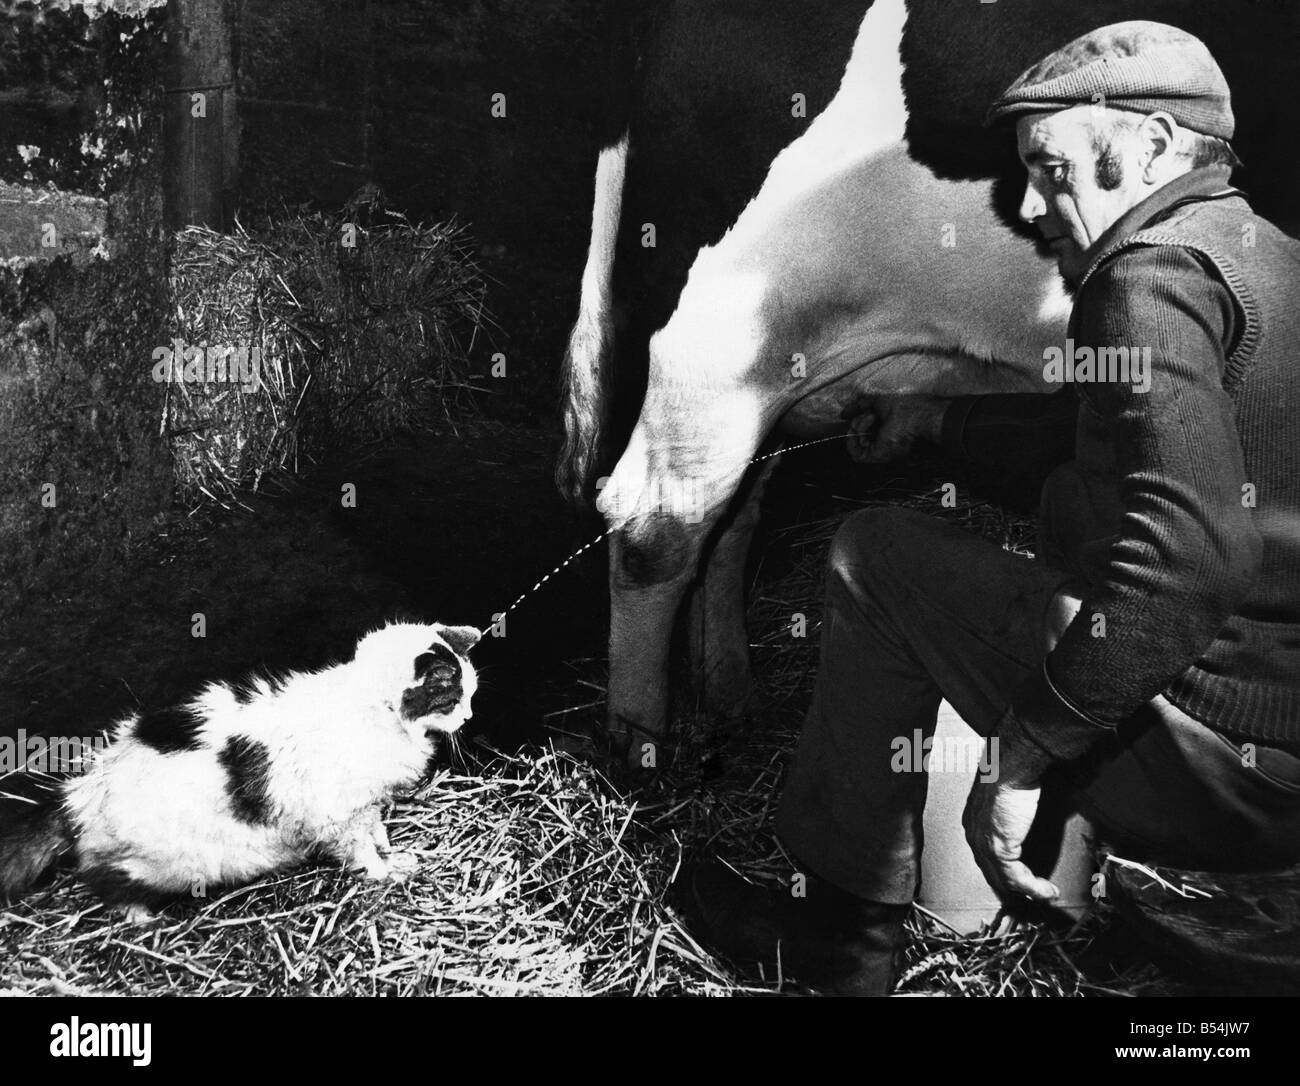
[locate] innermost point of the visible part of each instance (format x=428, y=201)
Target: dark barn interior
x=329, y=99
x=124, y=519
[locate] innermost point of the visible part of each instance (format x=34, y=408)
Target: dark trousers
x=917, y=611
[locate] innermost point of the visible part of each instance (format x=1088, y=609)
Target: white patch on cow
x=883, y=276
x=868, y=112
x=592, y=337
x=598, y=274
x=859, y=253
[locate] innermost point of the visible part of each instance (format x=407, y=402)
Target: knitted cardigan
x=1188, y=549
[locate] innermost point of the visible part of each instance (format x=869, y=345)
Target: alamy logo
x=114, y=1039
x=968, y=754
x=681, y=498
x=56, y=754
x=1104, y=365
x=208, y=364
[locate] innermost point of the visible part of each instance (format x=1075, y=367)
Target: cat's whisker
x=457, y=757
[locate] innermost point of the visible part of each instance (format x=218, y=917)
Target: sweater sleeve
x=1022, y=433
x=1187, y=553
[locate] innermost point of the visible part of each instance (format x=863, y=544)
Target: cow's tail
x=34, y=835
x=587, y=389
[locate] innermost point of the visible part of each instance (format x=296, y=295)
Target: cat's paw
x=367, y=862
x=379, y=834
x=138, y=914
x=401, y=866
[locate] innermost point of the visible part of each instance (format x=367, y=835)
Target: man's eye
x=1056, y=174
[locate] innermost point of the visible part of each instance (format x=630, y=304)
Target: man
x=1169, y=560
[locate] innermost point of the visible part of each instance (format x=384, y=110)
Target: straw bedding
x=360, y=332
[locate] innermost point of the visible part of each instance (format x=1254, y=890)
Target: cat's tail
x=34, y=835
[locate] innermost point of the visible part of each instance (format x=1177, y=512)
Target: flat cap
x=1139, y=66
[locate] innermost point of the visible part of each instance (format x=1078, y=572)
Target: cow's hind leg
x=718, y=631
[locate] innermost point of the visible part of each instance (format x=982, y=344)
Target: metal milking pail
x=952, y=886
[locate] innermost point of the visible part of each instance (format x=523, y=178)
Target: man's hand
x=883, y=428
x=999, y=815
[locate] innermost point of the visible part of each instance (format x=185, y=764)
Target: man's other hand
x=999, y=814
x=884, y=428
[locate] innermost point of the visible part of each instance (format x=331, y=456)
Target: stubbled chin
x=1072, y=261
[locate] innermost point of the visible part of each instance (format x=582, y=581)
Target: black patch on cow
x=248, y=770
x=114, y=886
x=169, y=731
x=439, y=690
x=692, y=171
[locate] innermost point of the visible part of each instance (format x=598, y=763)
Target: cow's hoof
x=728, y=690
x=644, y=755
x=634, y=756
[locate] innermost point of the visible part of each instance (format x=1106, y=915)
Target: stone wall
x=332, y=95
x=82, y=471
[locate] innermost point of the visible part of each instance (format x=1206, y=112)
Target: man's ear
x=1161, y=136
x=460, y=638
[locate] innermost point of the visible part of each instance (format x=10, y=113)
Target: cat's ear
x=460, y=638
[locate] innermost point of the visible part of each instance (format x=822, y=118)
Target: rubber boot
x=828, y=939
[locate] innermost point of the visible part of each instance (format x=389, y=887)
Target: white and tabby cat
x=249, y=779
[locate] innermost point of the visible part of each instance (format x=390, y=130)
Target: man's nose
x=1033, y=206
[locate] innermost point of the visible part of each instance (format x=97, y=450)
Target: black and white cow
x=797, y=203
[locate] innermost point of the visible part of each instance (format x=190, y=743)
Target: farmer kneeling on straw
x=1169, y=557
